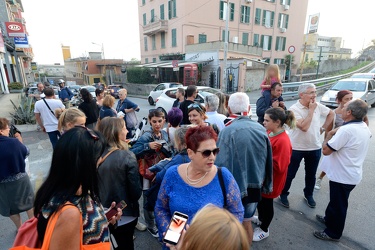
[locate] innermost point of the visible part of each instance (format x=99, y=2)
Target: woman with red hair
x=187, y=188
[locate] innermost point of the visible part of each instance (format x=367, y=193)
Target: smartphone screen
x=177, y=224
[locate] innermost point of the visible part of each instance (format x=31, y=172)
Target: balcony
x=232, y=47
x=155, y=27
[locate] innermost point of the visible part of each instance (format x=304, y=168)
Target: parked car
x=154, y=94
x=75, y=89
x=91, y=89
x=364, y=75
x=362, y=89
x=30, y=90
x=372, y=71
x=168, y=96
x=113, y=90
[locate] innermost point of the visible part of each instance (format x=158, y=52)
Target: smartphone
x=175, y=228
x=162, y=142
x=112, y=212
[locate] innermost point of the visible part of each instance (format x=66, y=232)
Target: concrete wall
x=138, y=89
x=255, y=74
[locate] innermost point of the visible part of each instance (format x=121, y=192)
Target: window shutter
x=277, y=43
x=289, y=2
x=269, y=42
x=256, y=40
x=162, y=12
x=286, y=21
x=261, y=41
x=145, y=43
x=279, y=22
x=174, y=38
x=169, y=9
x=144, y=19
x=272, y=18
x=284, y=44
x=245, y=38
x=264, y=18
x=221, y=12
x=231, y=11
x=162, y=40
x=248, y=15
x=152, y=15
x=258, y=13
x=242, y=14
x=174, y=8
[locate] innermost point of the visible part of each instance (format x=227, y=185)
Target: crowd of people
x=211, y=161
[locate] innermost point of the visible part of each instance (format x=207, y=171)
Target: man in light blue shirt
x=212, y=104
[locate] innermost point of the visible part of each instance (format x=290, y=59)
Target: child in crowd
x=272, y=77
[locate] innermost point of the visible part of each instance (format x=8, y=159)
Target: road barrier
x=291, y=89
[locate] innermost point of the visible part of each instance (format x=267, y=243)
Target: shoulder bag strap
x=105, y=157
x=222, y=185
x=44, y=99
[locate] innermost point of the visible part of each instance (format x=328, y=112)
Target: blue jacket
x=142, y=146
x=126, y=104
x=106, y=111
x=65, y=93
x=246, y=151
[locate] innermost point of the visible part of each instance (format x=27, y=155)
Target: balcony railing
x=155, y=27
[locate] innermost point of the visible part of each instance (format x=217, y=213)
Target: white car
x=168, y=96
x=364, y=75
x=362, y=89
x=154, y=94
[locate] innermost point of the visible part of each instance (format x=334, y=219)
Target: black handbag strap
x=48, y=106
x=222, y=185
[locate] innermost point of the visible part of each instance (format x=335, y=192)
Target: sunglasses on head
x=195, y=106
x=91, y=132
x=207, y=153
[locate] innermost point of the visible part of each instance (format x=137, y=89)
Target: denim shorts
x=250, y=209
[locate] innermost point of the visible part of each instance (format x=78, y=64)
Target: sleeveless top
x=338, y=121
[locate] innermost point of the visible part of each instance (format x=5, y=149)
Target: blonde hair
x=215, y=228
x=275, y=68
x=111, y=128
x=108, y=101
x=69, y=115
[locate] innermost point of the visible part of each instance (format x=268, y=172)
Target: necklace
x=193, y=182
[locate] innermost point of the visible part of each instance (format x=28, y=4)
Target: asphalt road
x=290, y=229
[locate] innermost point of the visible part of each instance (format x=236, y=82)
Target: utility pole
x=320, y=56
x=303, y=62
x=226, y=46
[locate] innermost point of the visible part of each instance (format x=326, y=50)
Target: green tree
x=139, y=75
x=287, y=59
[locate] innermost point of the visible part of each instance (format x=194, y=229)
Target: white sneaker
x=318, y=184
x=259, y=234
x=140, y=226
x=255, y=220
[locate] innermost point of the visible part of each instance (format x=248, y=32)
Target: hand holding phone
x=175, y=228
x=113, y=211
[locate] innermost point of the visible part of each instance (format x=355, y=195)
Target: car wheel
x=151, y=101
x=373, y=105
x=165, y=114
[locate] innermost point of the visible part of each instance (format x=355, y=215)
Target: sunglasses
x=91, y=132
x=195, y=106
x=207, y=153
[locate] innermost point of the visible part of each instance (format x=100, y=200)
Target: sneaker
x=140, y=226
x=323, y=236
x=259, y=234
x=284, y=200
x=255, y=220
x=153, y=231
x=310, y=202
x=318, y=184
x=320, y=218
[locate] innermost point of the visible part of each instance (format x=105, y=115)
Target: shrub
x=15, y=85
x=139, y=75
x=24, y=113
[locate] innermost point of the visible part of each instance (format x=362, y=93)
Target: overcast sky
x=78, y=23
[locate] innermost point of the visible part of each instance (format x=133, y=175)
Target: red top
x=281, y=154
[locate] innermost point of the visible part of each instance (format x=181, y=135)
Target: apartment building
x=167, y=27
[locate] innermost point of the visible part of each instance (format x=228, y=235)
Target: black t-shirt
x=184, y=108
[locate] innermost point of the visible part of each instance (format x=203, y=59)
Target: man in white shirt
x=212, y=104
x=45, y=111
x=305, y=140
x=346, y=149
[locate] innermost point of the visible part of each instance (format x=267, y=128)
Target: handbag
x=131, y=120
x=51, y=227
x=28, y=234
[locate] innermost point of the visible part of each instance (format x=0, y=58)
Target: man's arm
x=327, y=149
x=39, y=121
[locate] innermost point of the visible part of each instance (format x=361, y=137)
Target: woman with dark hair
x=119, y=179
x=274, y=120
x=99, y=93
x=190, y=186
x=90, y=108
x=223, y=103
x=16, y=192
x=175, y=116
x=148, y=147
x=73, y=180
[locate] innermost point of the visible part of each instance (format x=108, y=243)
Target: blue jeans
x=311, y=165
x=54, y=136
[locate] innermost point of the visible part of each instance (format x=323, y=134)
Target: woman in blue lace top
x=188, y=187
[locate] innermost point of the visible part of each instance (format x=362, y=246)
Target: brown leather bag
x=148, y=161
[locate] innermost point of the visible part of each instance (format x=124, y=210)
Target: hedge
x=139, y=75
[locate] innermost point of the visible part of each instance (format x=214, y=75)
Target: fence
x=291, y=89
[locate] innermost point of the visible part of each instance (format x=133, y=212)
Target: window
x=223, y=36
x=154, y=60
x=267, y=60
x=143, y=2
x=146, y=60
x=268, y=17
x=202, y=38
x=280, y=43
x=245, y=14
x=162, y=40
x=162, y=12
x=283, y=21
x=258, y=16
x=266, y=42
x=245, y=38
x=222, y=13
x=285, y=2
x=172, y=9
x=153, y=40
x=174, y=38
x=145, y=42
x=144, y=19
x=152, y=16
x=278, y=61
x=256, y=40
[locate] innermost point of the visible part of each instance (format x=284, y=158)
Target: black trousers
x=124, y=236
x=337, y=207
x=265, y=212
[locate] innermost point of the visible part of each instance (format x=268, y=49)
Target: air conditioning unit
x=248, y=1
x=235, y=39
x=286, y=7
x=282, y=30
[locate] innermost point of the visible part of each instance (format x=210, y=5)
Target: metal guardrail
x=291, y=89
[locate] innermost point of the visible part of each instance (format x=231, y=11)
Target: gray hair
x=304, y=87
x=179, y=137
x=122, y=90
x=212, y=102
x=358, y=108
x=239, y=102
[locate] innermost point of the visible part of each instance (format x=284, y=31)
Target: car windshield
x=75, y=87
x=173, y=85
x=350, y=85
x=90, y=88
x=365, y=76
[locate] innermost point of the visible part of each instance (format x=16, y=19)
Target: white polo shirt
x=309, y=140
x=49, y=120
x=350, y=145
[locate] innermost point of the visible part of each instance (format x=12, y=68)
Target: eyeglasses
x=207, y=153
x=195, y=106
x=311, y=93
x=91, y=132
